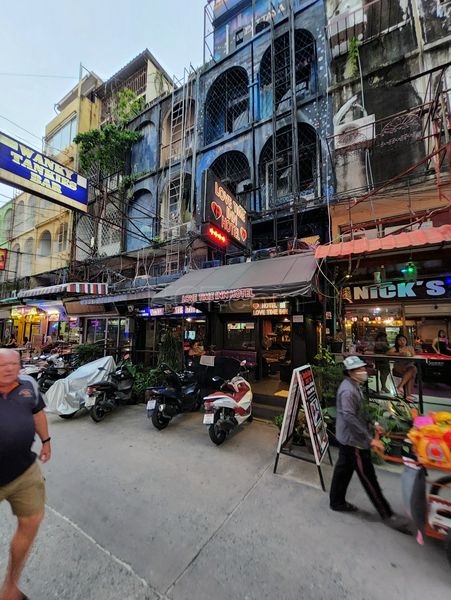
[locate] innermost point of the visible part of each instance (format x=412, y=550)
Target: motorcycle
x=103, y=397
x=229, y=407
x=57, y=368
x=182, y=394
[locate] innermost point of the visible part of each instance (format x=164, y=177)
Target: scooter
x=58, y=368
x=102, y=398
x=182, y=394
x=229, y=407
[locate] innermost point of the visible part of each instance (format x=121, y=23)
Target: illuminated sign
x=3, y=257
x=33, y=172
x=224, y=212
x=217, y=236
x=421, y=289
x=161, y=311
x=216, y=296
x=270, y=309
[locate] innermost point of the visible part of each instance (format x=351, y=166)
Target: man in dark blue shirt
x=21, y=482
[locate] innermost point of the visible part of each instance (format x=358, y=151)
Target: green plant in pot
x=171, y=350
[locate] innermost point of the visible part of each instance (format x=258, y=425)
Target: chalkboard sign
x=303, y=394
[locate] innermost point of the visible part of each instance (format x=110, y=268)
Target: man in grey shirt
x=354, y=431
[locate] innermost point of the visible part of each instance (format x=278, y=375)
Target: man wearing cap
x=21, y=481
x=353, y=429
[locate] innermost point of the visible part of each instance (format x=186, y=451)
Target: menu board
x=313, y=414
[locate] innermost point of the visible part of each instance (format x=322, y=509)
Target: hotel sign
x=217, y=296
x=35, y=173
x=224, y=212
x=270, y=309
x=434, y=289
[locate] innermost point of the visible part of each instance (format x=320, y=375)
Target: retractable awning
x=401, y=241
x=66, y=288
x=129, y=296
x=286, y=276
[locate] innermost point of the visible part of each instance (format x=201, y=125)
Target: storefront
x=263, y=312
x=42, y=320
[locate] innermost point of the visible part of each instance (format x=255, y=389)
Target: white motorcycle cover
x=67, y=395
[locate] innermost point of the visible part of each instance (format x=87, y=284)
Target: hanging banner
x=303, y=395
x=33, y=172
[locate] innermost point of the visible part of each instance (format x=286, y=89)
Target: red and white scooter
x=228, y=408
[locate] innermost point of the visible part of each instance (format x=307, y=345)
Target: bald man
x=21, y=481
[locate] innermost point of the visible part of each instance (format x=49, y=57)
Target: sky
x=49, y=38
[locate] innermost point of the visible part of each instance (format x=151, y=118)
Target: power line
x=8, y=74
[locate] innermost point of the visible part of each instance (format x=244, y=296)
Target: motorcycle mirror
x=216, y=379
x=243, y=363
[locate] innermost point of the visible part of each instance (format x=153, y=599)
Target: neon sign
x=216, y=296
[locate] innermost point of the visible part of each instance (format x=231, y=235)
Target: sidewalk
x=195, y=522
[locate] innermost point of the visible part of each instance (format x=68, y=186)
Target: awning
x=276, y=277
x=65, y=288
x=123, y=297
x=410, y=239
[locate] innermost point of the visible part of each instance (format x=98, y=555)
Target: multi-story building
x=390, y=88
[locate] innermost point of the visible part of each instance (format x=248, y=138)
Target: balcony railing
x=365, y=23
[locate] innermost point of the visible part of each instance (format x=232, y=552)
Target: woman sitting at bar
x=404, y=369
x=441, y=343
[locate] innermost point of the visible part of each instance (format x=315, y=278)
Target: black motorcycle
x=103, y=397
x=181, y=394
x=58, y=367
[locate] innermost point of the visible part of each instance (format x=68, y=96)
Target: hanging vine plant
x=352, y=62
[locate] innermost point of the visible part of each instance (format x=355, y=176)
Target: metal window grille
x=178, y=131
x=227, y=104
x=232, y=168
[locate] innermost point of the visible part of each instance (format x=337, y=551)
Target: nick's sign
x=421, y=289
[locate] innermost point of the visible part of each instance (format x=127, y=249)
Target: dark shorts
x=26, y=494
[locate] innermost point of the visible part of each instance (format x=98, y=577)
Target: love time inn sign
x=33, y=172
x=223, y=211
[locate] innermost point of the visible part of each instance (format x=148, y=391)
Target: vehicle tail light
x=208, y=405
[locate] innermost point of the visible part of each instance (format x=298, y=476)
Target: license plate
x=90, y=401
x=209, y=419
x=151, y=404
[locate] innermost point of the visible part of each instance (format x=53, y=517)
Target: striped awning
x=66, y=288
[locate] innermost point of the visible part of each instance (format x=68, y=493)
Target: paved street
x=138, y=514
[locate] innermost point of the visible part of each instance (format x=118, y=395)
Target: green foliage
x=278, y=420
x=144, y=378
x=88, y=352
x=352, y=62
x=324, y=357
x=327, y=379
x=170, y=350
x=103, y=151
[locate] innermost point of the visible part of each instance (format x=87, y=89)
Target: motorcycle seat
x=105, y=386
x=169, y=393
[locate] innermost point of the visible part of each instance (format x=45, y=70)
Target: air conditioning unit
x=209, y=264
x=355, y=135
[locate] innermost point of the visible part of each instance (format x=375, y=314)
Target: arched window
x=28, y=257
x=280, y=85
x=62, y=236
x=143, y=152
x=19, y=217
x=30, y=212
x=141, y=222
x=176, y=205
x=227, y=104
x=232, y=168
x=7, y=224
x=177, y=131
x=45, y=244
x=276, y=181
x=14, y=263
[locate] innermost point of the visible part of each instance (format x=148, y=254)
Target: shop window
x=45, y=244
x=280, y=84
x=62, y=237
x=227, y=104
x=95, y=330
x=239, y=336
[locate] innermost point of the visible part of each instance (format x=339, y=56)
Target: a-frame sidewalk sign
x=303, y=394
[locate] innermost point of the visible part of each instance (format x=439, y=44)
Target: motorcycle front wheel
x=159, y=421
x=217, y=436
